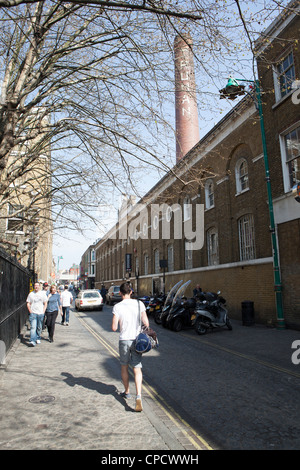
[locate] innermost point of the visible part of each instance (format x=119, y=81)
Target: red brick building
x=224, y=175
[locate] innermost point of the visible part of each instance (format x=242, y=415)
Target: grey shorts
x=128, y=356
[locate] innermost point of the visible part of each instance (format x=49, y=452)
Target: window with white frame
x=212, y=247
x=209, y=194
x=241, y=176
x=290, y=149
x=170, y=258
x=284, y=75
x=246, y=237
x=188, y=252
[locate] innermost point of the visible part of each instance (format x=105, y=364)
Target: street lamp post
x=58, y=258
x=232, y=90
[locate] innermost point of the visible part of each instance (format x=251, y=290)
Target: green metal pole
x=277, y=277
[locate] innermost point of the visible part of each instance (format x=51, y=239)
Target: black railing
x=14, y=289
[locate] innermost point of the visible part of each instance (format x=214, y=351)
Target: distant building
x=68, y=276
x=88, y=268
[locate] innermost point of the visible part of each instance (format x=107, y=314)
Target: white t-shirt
x=128, y=314
x=66, y=298
x=36, y=300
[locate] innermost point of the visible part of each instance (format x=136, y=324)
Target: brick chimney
x=187, y=123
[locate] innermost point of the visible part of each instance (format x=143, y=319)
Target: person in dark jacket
x=197, y=290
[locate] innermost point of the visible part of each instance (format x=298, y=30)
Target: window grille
x=188, y=255
x=170, y=258
x=156, y=261
x=246, y=237
x=212, y=247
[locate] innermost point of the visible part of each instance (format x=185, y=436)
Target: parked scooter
x=182, y=313
x=162, y=316
x=155, y=305
x=211, y=313
x=145, y=299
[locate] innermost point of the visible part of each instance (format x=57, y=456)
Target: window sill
x=283, y=99
x=242, y=192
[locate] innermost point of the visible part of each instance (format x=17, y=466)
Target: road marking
x=184, y=427
x=243, y=356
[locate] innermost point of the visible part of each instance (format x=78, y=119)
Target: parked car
x=89, y=299
x=113, y=295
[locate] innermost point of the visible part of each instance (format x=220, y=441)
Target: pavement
x=66, y=395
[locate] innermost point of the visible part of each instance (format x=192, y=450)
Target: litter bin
x=248, y=312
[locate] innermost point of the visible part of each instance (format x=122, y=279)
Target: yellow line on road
x=243, y=356
x=177, y=420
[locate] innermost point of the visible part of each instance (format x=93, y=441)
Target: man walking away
x=36, y=304
x=66, y=301
x=126, y=314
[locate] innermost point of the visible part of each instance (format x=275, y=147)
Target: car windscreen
x=91, y=295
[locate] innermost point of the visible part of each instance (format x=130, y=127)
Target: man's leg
x=125, y=378
x=39, y=327
x=138, y=379
x=33, y=325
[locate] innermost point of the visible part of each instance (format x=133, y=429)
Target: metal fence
x=14, y=288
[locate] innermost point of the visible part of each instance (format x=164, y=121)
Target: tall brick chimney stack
x=187, y=123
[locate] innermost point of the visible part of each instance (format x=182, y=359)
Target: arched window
x=241, y=176
x=209, y=194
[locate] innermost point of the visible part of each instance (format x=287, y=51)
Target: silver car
x=89, y=299
x=113, y=295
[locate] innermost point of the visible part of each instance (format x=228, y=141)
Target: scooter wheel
x=200, y=329
x=157, y=318
x=177, y=325
x=228, y=324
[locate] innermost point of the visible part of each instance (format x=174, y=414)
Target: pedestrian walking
x=53, y=306
x=47, y=290
x=66, y=302
x=36, y=304
x=103, y=292
x=127, y=315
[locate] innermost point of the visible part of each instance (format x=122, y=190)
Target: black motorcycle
x=160, y=317
x=155, y=306
x=211, y=313
x=182, y=313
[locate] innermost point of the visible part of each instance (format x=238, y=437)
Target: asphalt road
x=237, y=389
